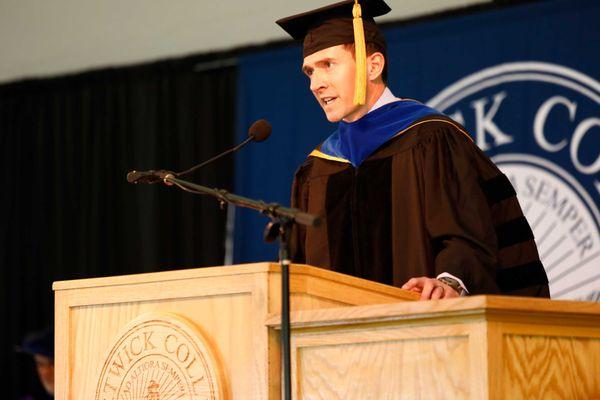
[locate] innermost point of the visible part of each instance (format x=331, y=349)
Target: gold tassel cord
x=360, y=83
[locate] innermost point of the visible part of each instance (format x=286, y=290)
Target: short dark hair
x=373, y=48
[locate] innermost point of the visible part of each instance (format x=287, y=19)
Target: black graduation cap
x=349, y=21
x=41, y=343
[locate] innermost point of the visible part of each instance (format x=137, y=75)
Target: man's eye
x=327, y=64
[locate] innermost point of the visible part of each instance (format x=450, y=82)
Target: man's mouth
x=328, y=100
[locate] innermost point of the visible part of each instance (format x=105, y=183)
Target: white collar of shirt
x=386, y=97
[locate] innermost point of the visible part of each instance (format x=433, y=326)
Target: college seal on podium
x=160, y=356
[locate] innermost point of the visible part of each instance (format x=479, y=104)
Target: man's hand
x=430, y=288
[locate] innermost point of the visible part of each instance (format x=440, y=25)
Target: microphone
x=151, y=176
x=259, y=131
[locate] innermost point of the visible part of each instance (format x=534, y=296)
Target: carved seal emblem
x=160, y=356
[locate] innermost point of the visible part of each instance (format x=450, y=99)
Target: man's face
x=331, y=74
x=45, y=368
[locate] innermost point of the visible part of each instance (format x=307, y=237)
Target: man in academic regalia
x=407, y=197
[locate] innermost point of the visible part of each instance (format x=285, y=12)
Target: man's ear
x=375, y=64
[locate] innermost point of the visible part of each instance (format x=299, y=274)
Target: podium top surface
x=475, y=306
x=222, y=271
x=163, y=276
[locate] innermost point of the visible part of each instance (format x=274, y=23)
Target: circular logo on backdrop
x=159, y=356
x=540, y=124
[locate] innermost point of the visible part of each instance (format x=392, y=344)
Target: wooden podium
x=212, y=333
x=99, y=330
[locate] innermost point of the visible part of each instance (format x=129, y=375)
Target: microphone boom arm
x=202, y=164
x=282, y=219
x=271, y=210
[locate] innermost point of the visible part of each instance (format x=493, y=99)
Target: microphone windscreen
x=133, y=176
x=260, y=130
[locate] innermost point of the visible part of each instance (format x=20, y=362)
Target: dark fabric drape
x=67, y=210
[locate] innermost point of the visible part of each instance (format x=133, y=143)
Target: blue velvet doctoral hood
x=356, y=141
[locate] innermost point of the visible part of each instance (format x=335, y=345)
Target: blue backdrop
x=523, y=80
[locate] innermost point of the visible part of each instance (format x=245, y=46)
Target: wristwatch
x=453, y=283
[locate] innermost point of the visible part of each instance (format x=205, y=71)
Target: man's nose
x=317, y=81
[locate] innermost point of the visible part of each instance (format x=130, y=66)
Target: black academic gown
x=426, y=202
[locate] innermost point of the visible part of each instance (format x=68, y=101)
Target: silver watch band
x=453, y=283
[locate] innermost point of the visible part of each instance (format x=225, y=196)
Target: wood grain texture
x=228, y=305
x=492, y=308
x=508, y=350
x=165, y=276
x=420, y=363
x=229, y=310
x=306, y=279
x=62, y=340
x=327, y=286
x=95, y=327
x=351, y=339
x=481, y=362
x=550, y=367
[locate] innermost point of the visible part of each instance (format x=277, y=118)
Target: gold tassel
x=360, y=51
